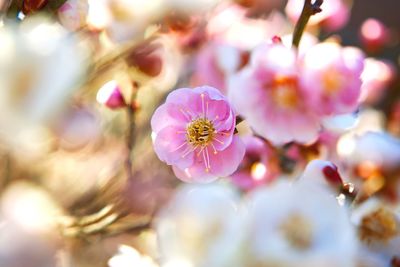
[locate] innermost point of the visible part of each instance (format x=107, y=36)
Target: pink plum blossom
x=73, y=13
x=194, y=132
x=331, y=75
x=215, y=62
x=335, y=13
x=269, y=95
x=257, y=167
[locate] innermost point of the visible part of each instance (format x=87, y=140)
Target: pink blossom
x=331, y=75
x=335, y=13
x=269, y=95
x=215, y=62
x=194, y=132
x=73, y=14
x=257, y=167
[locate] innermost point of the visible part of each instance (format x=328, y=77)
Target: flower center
x=298, y=231
x=378, y=226
x=284, y=92
x=332, y=81
x=200, y=132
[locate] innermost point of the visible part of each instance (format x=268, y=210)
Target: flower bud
x=146, y=59
x=30, y=6
x=110, y=95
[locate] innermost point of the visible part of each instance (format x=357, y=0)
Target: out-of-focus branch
x=309, y=9
x=130, y=138
x=107, y=222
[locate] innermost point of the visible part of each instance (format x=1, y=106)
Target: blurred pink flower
x=257, y=165
x=229, y=24
x=374, y=35
x=335, y=13
x=215, y=62
x=73, y=14
x=194, y=132
x=331, y=75
x=269, y=95
x=376, y=77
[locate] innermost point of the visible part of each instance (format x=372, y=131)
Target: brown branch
x=309, y=9
x=130, y=138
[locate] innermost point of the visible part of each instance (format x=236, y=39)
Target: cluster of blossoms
x=283, y=96
x=291, y=98
x=210, y=226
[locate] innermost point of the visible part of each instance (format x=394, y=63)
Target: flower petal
x=171, y=147
x=168, y=115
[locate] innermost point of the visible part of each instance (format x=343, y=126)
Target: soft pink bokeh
x=257, y=167
x=374, y=35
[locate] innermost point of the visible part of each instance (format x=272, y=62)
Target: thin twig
x=130, y=138
x=309, y=9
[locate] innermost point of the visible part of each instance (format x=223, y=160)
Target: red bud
x=30, y=6
x=332, y=175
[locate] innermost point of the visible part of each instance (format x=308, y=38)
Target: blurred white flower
x=322, y=173
x=368, y=120
x=124, y=20
x=30, y=208
x=201, y=227
x=340, y=123
x=378, y=148
x=379, y=230
x=196, y=7
x=130, y=257
x=299, y=225
x=40, y=66
x=29, y=233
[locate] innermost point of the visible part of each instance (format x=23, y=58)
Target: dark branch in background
x=309, y=9
x=13, y=7
x=131, y=109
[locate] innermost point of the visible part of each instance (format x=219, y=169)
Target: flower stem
x=130, y=138
x=309, y=9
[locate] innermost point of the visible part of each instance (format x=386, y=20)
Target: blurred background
x=80, y=80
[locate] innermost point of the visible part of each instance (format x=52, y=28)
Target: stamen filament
x=219, y=141
x=202, y=106
x=215, y=150
x=189, y=151
x=180, y=146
